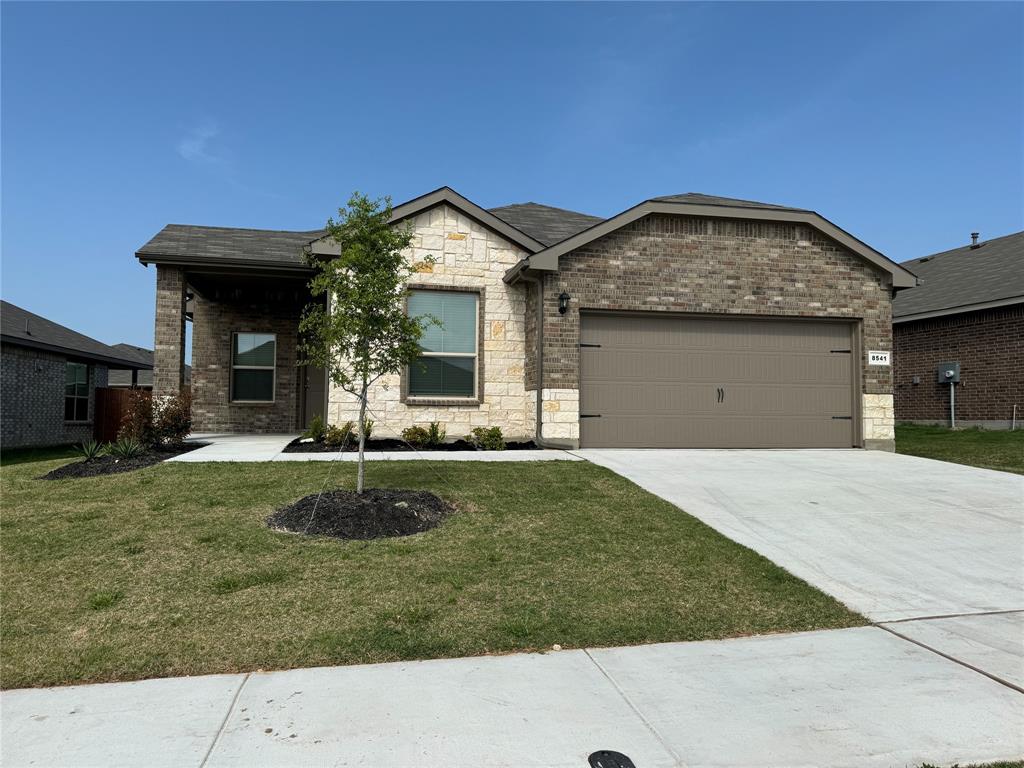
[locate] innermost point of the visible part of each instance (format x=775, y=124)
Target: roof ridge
x=247, y=229
x=967, y=246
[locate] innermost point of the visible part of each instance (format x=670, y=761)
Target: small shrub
x=172, y=418
x=316, y=429
x=368, y=428
x=125, y=448
x=436, y=434
x=338, y=437
x=417, y=437
x=137, y=423
x=90, y=450
x=487, y=439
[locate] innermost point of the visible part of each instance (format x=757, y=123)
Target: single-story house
x=49, y=378
x=967, y=317
x=142, y=379
x=683, y=321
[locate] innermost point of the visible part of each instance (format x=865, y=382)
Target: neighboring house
x=49, y=379
x=684, y=321
x=143, y=379
x=969, y=310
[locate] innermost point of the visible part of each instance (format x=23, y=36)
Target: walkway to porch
x=236, y=447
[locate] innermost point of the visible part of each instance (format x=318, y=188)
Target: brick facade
x=169, y=336
x=988, y=344
x=213, y=323
x=704, y=265
x=32, y=401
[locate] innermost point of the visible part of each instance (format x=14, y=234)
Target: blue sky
x=902, y=123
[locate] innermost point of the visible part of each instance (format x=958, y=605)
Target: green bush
x=90, y=449
x=368, y=428
x=126, y=448
x=417, y=437
x=435, y=434
x=316, y=429
x=487, y=439
x=338, y=437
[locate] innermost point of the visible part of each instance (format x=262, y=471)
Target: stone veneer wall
x=213, y=323
x=988, y=344
x=467, y=255
x=705, y=265
x=32, y=399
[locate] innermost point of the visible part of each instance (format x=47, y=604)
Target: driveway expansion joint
x=954, y=659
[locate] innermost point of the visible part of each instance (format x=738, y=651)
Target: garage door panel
x=673, y=381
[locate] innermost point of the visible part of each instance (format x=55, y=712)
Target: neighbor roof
x=965, y=279
x=543, y=222
x=131, y=352
x=187, y=244
x=23, y=328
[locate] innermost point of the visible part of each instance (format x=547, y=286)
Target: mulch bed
x=392, y=445
x=377, y=513
x=110, y=465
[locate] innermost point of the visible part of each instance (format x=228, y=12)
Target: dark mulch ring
x=109, y=465
x=393, y=445
x=376, y=514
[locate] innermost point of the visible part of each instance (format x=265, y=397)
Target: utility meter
x=949, y=373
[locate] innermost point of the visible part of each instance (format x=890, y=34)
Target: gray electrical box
x=948, y=372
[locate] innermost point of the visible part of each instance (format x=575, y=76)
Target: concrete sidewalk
x=854, y=697
x=230, y=447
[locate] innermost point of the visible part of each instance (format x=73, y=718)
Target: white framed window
x=448, y=365
x=253, y=367
x=76, y=392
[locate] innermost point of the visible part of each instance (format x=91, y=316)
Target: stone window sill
x=442, y=401
x=77, y=423
x=252, y=402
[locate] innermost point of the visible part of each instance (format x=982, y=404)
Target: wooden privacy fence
x=111, y=406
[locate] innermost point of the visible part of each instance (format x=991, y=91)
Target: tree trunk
x=362, y=438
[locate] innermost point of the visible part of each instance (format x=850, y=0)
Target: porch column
x=169, y=339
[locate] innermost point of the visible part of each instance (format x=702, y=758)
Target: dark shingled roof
x=544, y=223
x=965, y=277
x=256, y=246
x=131, y=352
x=696, y=198
x=23, y=328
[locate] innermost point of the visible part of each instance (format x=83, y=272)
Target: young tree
x=361, y=332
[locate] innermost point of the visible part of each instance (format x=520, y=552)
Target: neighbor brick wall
x=32, y=399
x=989, y=345
x=213, y=323
x=704, y=265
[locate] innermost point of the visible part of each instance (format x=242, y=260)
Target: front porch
x=247, y=376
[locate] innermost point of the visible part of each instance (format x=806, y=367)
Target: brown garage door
x=666, y=381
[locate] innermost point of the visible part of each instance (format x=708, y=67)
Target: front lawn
x=989, y=449
x=170, y=570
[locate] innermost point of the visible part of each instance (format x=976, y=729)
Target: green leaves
x=357, y=329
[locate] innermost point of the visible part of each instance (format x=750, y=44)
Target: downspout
x=539, y=282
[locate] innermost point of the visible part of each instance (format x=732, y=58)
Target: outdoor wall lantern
x=563, y=302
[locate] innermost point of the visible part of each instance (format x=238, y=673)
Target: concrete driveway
x=893, y=537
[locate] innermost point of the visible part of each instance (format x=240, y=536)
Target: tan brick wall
x=169, y=336
x=466, y=255
x=703, y=265
x=213, y=326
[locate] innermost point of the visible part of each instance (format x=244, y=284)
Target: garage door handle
x=589, y=345
x=590, y=415
x=845, y=418
x=721, y=394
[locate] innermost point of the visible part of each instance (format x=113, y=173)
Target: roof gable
x=692, y=204
x=965, y=279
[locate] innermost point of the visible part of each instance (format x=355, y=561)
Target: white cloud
x=194, y=146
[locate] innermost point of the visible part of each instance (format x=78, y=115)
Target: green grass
x=170, y=570
x=989, y=449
